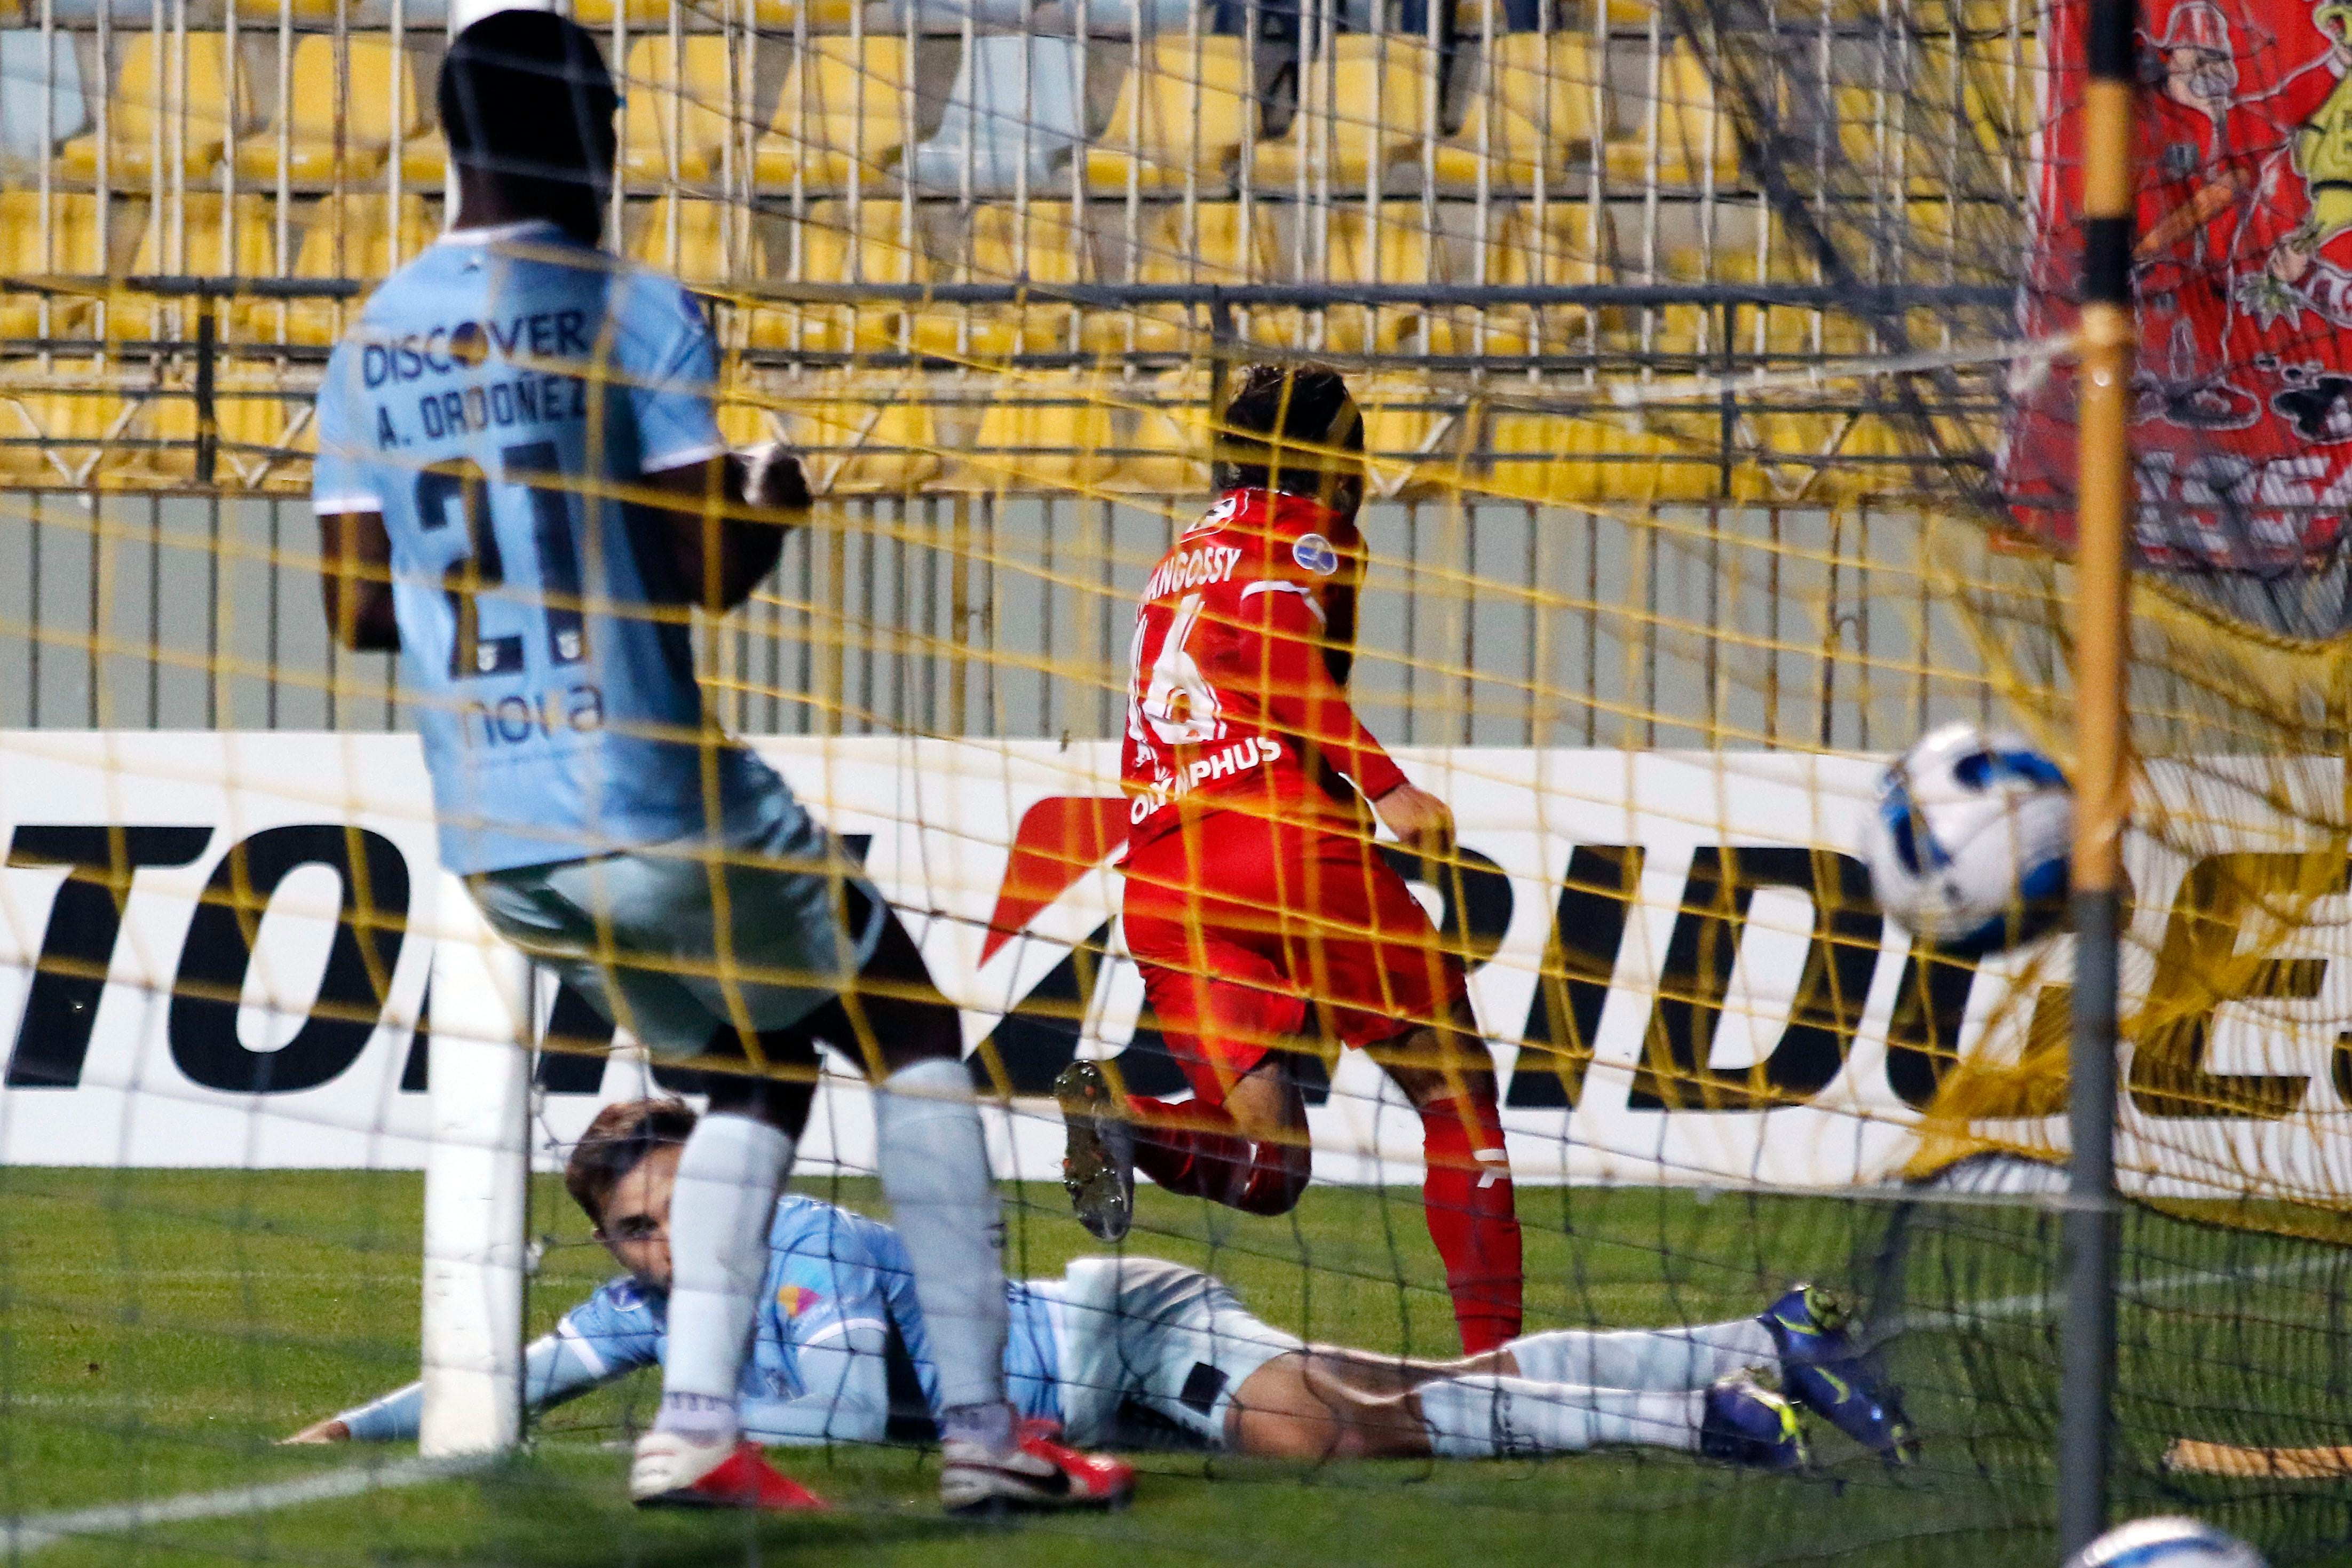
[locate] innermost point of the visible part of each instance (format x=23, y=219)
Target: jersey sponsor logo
x=795, y=1300
x=1313, y=553
x=444, y=351
x=1216, y=516
x=1255, y=751
x=1193, y=569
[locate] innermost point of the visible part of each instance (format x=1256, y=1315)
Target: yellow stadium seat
x=844, y=106
x=1696, y=144
x=348, y=236
x=1052, y=433
x=1569, y=461
x=249, y=425
x=161, y=99
x=1166, y=251
x=687, y=237
x=831, y=251
x=766, y=14
x=1406, y=252
x=211, y=239
x=1566, y=247
x=743, y=422
x=1167, y=453
x=1361, y=110
x=862, y=439
x=333, y=130
x=1051, y=250
x=74, y=430
x=675, y=120
x=424, y=161
x=1184, y=115
x=67, y=245
x=1534, y=106
x=1404, y=434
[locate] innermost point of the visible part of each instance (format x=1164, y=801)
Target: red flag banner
x=2241, y=276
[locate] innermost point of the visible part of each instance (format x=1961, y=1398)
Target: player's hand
x=773, y=479
x=327, y=1431
x=1420, y=820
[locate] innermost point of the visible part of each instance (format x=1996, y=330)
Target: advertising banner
x=1674, y=956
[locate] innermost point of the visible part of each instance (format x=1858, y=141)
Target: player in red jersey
x=1255, y=900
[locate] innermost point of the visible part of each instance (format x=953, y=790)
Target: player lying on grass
x=1255, y=899
x=521, y=488
x=843, y=1353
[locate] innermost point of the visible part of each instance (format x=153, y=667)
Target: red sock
x=1193, y=1150
x=1472, y=1220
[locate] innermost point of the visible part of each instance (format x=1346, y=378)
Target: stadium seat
x=1183, y=115
x=424, y=161
x=765, y=14
x=329, y=136
x=249, y=423
x=348, y=237
x=67, y=244
x=861, y=438
x=1167, y=452
x=1057, y=253
x=1404, y=434
x=687, y=237
x=1403, y=252
x=1533, y=105
x=1209, y=251
x=1366, y=106
x=844, y=106
x=1526, y=252
x=1695, y=145
x=158, y=99
x=29, y=71
x=1013, y=113
x=1048, y=433
x=212, y=239
x=681, y=95
x=831, y=252
x=1571, y=461
x=73, y=428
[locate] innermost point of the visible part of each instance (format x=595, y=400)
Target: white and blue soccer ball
x=2167, y=1541
x=1969, y=840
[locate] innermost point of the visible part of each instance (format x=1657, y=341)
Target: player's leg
x=933, y=1161
x=1376, y=956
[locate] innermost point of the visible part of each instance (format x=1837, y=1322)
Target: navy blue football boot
x=1822, y=1370
x=1744, y=1423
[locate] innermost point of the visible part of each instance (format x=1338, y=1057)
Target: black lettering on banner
x=572, y=1051
x=1839, y=959
x=1923, y=1037
x=53, y=1034
x=2199, y=967
x=415, y=1073
x=1475, y=896
x=1579, y=961
x=351, y=990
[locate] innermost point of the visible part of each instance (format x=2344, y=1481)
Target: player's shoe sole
x=1038, y=1476
x=1098, y=1159
x=1744, y=1423
x=1822, y=1370
x=671, y=1471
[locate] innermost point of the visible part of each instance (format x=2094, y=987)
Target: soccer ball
x=2171, y=1542
x=1969, y=840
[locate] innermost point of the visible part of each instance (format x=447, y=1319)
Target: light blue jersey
x=838, y=1285
x=494, y=394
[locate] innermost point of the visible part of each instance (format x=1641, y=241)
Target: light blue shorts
x=675, y=942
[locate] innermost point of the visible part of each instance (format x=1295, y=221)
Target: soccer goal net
x=1714, y=366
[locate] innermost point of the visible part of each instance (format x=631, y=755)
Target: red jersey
x=1233, y=700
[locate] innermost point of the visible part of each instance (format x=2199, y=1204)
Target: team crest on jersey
x=797, y=1298
x=624, y=1296
x=1314, y=553
x=1216, y=516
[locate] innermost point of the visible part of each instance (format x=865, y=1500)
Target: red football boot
x=675, y=1471
x=1039, y=1474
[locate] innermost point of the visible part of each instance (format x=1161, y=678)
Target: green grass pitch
x=159, y=1330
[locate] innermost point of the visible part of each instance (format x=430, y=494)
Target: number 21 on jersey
x=1177, y=701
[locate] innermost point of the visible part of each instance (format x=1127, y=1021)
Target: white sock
x=1483, y=1416
x=934, y=1161
x=720, y=1215
x=1658, y=1359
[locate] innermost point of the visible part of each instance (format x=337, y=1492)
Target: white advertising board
x=173, y=1025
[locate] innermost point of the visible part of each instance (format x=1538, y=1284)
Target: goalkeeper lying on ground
x=840, y=1353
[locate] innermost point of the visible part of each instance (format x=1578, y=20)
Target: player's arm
x=557, y=1367
x=725, y=518
x=1284, y=640
x=844, y=1396
x=355, y=581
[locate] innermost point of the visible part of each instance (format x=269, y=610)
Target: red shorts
x=1240, y=925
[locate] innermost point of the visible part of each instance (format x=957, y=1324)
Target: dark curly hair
x=616, y=1142
x=1293, y=428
